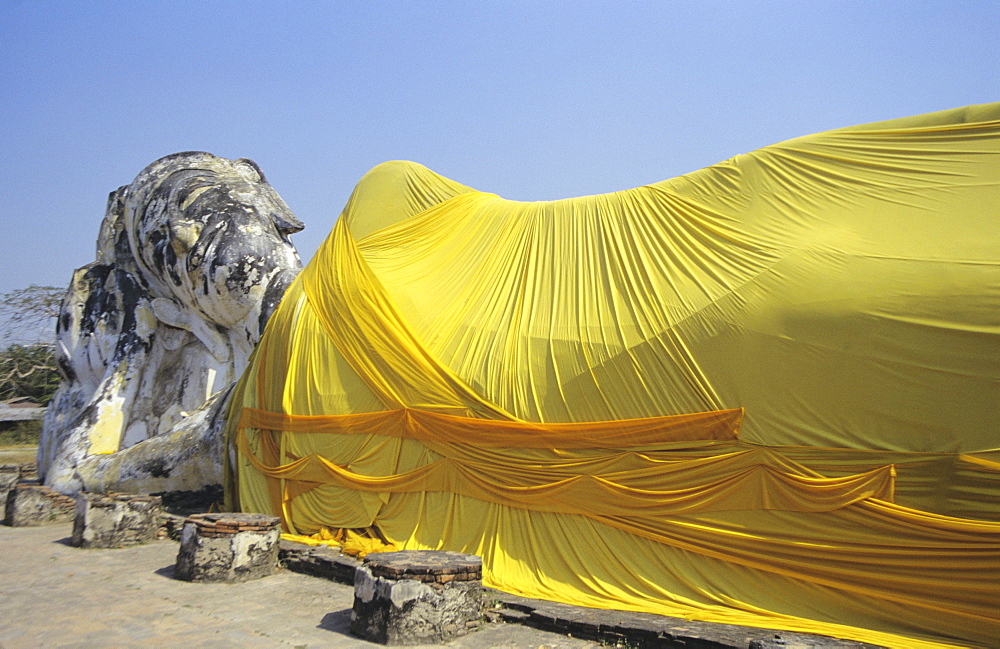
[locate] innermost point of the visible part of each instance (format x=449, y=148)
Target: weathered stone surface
x=649, y=631
x=226, y=523
x=433, y=597
x=171, y=526
x=192, y=257
x=9, y=475
x=426, y=566
x=115, y=520
x=318, y=561
x=228, y=547
x=29, y=471
x=33, y=504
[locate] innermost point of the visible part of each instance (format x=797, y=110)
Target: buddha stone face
x=211, y=234
x=192, y=258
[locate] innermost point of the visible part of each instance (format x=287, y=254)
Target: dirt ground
x=55, y=595
x=17, y=454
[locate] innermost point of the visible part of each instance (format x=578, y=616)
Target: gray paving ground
x=55, y=595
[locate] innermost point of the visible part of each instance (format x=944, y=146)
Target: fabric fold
x=765, y=392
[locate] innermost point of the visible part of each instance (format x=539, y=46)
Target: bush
x=20, y=433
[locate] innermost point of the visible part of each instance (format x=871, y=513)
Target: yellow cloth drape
x=763, y=393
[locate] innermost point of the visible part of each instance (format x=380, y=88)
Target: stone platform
x=416, y=597
x=228, y=547
x=9, y=475
x=30, y=504
x=115, y=520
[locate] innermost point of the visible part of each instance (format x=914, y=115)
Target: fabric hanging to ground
x=763, y=393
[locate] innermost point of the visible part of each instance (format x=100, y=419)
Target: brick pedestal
x=115, y=520
x=228, y=547
x=417, y=597
x=29, y=471
x=33, y=504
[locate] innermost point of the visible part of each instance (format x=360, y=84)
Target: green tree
x=28, y=371
x=28, y=315
x=27, y=331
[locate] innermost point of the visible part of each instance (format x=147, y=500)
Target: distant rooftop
x=20, y=409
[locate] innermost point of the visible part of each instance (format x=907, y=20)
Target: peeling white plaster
x=185, y=258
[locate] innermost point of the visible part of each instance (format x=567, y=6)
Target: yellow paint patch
x=105, y=436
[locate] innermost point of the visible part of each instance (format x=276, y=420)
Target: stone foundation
x=9, y=475
x=32, y=504
x=29, y=471
x=228, y=547
x=414, y=597
x=115, y=520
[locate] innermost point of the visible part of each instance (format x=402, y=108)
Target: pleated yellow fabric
x=762, y=393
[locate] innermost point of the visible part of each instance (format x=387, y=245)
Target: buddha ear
x=168, y=312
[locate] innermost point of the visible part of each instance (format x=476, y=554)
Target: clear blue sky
x=530, y=100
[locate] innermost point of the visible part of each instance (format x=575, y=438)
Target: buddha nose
x=287, y=223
